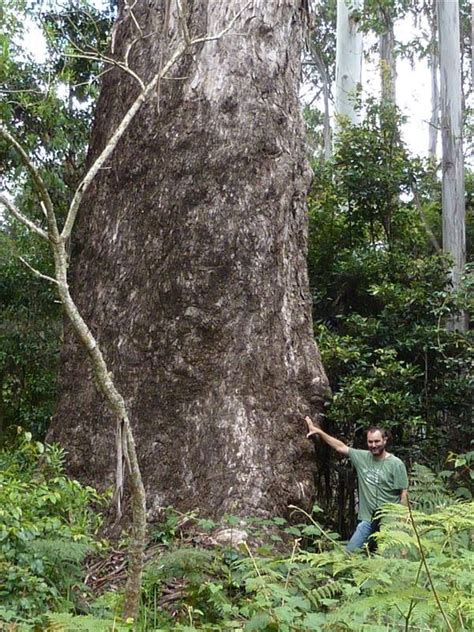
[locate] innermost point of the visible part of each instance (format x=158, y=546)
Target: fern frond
x=64, y=622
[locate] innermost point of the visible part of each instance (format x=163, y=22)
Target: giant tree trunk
x=454, y=230
x=189, y=265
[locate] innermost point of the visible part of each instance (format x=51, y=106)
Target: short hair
x=385, y=434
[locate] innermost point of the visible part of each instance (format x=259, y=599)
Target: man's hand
x=313, y=429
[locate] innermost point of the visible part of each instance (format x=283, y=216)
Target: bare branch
x=107, y=60
x=182, y=23
x=211, y=38
x=10, y=206
x=117, y=135
x=424, y=219
x=53, y=232
x=37, y=272
x=130, y=8
x=127, y=119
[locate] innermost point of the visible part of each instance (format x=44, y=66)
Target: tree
x=433, y=62
x=57, y=237
x=349, y=49
x=454, y=231
x=319, y=65
x=189, y=265
x=388, y=68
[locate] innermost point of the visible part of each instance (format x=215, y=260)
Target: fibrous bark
x=189, y=265
x=388, y=65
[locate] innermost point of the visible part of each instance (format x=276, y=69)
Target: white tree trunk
x=349, y=48
x=433, y=61
x=454, y=235
x=325, y=80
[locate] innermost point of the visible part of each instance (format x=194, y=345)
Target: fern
x=63, y=622
x=428, y=491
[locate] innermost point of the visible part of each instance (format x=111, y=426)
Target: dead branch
x=12, y=208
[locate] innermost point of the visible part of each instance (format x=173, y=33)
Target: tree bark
x=189, y=262
x=388, y=66
x=349, y=49
x=454, y=231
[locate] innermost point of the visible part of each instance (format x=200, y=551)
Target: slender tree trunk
x=433, y=62
x=190, y=265
x=472, y=42
x=388, y=66
x=349, y=49
x=454, y=235
x=323, y=73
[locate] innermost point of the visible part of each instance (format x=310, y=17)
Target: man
x=382, y=478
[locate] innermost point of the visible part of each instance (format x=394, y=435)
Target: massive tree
x=189, y=265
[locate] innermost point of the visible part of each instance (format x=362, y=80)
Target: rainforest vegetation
x=390, y=319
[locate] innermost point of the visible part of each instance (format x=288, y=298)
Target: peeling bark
x=189, y=262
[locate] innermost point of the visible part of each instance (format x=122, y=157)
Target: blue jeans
x=361, y=535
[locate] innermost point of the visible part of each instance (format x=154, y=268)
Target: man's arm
x=315, y=431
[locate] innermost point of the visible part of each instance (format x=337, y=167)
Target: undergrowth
x=47, y=527
x=299, y=579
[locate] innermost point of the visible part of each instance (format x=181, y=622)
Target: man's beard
x=377, y=451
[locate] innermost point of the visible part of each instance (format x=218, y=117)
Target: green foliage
x=48, y=104
x=30, y=329
x=47, y=527
x=325, y=589
x=381, y=298
x=420, y=576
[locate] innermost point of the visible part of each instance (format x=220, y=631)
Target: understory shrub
x=47, y=527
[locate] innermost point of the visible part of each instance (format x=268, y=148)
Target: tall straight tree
x=433, y=63
x=388, y=64
x=190, y=264
x=349, y=50
x=454, y=231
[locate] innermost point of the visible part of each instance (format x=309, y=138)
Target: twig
x=425, y=564
x=107, y=60
x=325, y=534
x=257, y=570
x=127, y=119
x=292, y=559
x=211, y=38
x=37, y=272
x=424, y=219
x=53, y=233
x=10, y=206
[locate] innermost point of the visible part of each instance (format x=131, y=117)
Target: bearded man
x=382, y=478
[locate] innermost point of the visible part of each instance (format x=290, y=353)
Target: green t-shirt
x=380, y=482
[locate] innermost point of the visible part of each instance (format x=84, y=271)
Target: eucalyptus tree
x=189, y=263
x=454, y=232
x=433, y=63
x=349, y=54
x=320, y=63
